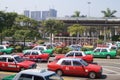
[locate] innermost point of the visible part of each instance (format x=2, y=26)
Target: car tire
x=59, y=72
x=92, y=75
x=108, y=56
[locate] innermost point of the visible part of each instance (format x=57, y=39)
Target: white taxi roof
x=67, y=58
x=8, y=55
x=42, y=72
x=32, y=50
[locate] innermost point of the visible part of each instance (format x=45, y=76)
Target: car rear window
x=30, y=77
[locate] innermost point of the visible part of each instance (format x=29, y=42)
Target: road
x=111, y=70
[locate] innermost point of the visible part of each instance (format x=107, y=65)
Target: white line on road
x=111, y=67
x=108, y=62
x=111, y=71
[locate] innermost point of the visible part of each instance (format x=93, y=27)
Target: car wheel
x=108, y=56
x=92, y=75
x=59, y=72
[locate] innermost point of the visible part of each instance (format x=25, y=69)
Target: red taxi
x=34, y=55
x=76, y=54
x=15, y=63
x=75, y=66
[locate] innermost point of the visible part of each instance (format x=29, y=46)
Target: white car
x=44, y=49
x=35, y=74
x=40, y=48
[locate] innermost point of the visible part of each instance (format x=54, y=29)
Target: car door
x=34, y=55
x=67, y=67
x=11, y=64
x=78, y=69
x=71, y=54
x=27, y=55
x=78, y=55
x=3, y=63
x=97, y=53
x=104, y=52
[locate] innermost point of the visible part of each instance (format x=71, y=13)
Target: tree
x=76, y=14
x=76, y=29
x=52, y=27
x=109, y=13
x=10, y=19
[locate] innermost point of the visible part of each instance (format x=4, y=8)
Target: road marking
x=107, y=62
x=111, y=72
x=70, y=78
x=111, y=67
x=7, y=73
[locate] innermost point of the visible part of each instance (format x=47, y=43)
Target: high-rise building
x=45, y=14
x=40, y=15
x=27, y=13
x=36, y=15
x=52, y=13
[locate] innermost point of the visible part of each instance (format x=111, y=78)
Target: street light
x=105, y=30
x=89, y=8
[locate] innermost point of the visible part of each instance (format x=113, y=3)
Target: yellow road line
x=7, y=73
x=68, y=78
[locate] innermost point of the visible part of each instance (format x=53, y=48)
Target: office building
x=45, y=14
x=40, y=15
x=27, y=13
x=36, y=15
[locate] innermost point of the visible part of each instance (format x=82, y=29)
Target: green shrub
x=18, y=49
x=61, y=50
x=86, y=49
x=118, y=52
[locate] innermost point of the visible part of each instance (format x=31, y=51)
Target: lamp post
x=89, y=8
x=105, y=30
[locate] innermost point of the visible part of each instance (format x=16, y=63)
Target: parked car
x=75, y=47
x=34, y=55
x=44, y=49
x=34, y=74
x=102, y=52
x=117, y=44
x=76, y=54
x=4, y=49
x=75, y=66
x=15, y=63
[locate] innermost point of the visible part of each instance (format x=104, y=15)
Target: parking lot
x=111, y=70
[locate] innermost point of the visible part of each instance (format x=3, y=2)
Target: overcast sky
x=63, y=7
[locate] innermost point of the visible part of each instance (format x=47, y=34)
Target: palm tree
x=109, y=13
x=76, y=29
x=52, y=27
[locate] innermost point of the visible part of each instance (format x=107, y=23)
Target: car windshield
x=19, y=59
x=53, y=77
x=83, y=62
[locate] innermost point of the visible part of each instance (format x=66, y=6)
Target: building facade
x=45, y=14
x=36, y=15
x=95, y=28
x=27, y=13
x=40, y=15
